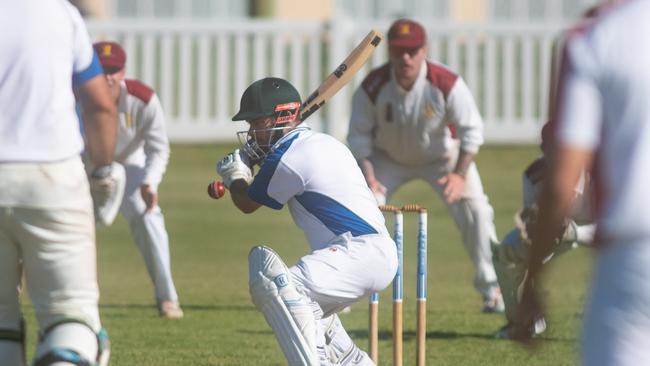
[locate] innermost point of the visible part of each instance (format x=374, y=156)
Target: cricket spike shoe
x=170, y=309
x=494, y=303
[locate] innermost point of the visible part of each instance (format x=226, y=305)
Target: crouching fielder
x=511, y=257
x=352, y=254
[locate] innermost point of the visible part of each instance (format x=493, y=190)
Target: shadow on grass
x=447, y=335
x=385, y=334
x=185, y=307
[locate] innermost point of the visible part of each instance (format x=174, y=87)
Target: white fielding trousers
x=472, y=214
x=617, y=318
x=47, y=232
x=149, y=233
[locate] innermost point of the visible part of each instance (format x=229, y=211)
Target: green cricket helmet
x=268, y=97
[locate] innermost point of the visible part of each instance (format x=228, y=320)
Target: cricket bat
x=342, y=75
x=327, y=89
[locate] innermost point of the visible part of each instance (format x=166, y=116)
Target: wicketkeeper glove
x=107, y=189
x=570, y=233
x=232, y=167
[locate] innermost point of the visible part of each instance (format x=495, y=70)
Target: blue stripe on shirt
x=94, y=69
x=258, y=191
x=336, y=217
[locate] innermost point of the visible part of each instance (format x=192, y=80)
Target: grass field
x=209, y=245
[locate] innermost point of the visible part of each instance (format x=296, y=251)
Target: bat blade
x=342, y=75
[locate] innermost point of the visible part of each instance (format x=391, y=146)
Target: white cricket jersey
x=141, y=135
x=38, y=122
x=319, y=179
x=413, y=127
x=604, y=106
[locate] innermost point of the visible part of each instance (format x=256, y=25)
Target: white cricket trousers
x=616, y=328
x=47, y=232
x=473, y=213
x=348, y=269
x=149, y=233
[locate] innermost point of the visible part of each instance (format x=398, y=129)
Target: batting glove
x=233, y=167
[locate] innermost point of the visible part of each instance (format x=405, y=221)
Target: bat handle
x=216, y=189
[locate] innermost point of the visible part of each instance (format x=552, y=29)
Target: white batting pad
x=75, y=337
x=107, y=194
x=12, y=353
x=286, y=310
x=339, y=347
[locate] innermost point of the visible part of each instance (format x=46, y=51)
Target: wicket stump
x=398, y=293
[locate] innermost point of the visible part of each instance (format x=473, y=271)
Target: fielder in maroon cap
x=416, y=119
x=143, y=149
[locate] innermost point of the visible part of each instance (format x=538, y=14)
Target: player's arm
x=463, y=114
x=156, y=149
x=465, y=159
x=555, y=202
x=368, y=171
x=239, y=196
x=99, y=116
x=98, y=109
x=235, y=170
x=362, y=123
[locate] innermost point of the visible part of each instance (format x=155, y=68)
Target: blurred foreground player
x=47, y=227
x=603, y=124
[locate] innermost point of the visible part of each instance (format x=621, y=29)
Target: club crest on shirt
x=128, y=118
x=428, y=110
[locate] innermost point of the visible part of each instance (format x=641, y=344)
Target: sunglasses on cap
x=110, y=70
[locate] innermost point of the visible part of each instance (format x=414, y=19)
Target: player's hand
x=453, y=187
x=233, y=167
x=149, y=196
x=378, y=190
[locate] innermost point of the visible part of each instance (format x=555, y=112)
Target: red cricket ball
x=216, y=189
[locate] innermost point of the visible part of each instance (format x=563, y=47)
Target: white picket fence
x=200, y=69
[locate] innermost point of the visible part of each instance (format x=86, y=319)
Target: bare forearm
x=239, y=196
x=552, y=211
x=366, y=168
x=463, y=163
x=100, y=137
x=555, y=201
x=99, y=115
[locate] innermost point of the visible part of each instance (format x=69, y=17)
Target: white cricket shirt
x=45, y=48
x=319, y=179
x=141, y=134
x=604, y=106
x=413, y=127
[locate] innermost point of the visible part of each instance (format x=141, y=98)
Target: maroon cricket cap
x=407, y=33
x=111, y=55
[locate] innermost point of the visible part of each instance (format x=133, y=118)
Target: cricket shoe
x=494, y=303
x=508, y=330
x=170, y=309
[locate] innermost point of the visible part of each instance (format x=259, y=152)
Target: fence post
x=336, y=121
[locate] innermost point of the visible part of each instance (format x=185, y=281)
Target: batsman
x=317, y=177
